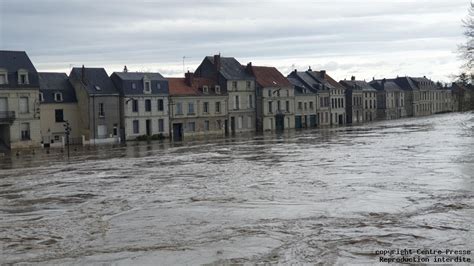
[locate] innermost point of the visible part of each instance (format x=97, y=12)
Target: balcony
x=7, y=117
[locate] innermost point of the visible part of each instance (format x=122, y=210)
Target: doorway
x=232, y=125
x=148, y=127
x=178, y=132
x=280, y=122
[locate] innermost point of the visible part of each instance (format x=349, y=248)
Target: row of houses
x=221, y=97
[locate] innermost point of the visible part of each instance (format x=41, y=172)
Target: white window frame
x=60, y=97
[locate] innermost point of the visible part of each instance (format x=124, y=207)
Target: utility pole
x=67, y=131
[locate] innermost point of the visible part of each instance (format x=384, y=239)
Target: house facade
x=462, y=97
x=361, y=101
x=19, y=102
x=232, y=77
x=390, y=99
x=306, y=99
x=143, y=104
x=198, y=108
x=58, y=104
x=99, y=105
x=275, y=99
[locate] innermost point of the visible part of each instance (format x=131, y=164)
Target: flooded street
x=326, y=195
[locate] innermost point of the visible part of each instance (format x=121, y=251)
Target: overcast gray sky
x=370, y=38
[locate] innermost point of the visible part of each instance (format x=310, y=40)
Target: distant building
x=19, y=102
x=390, y=99
x=232, y=77
x=99, y=105
x=143, y=104
x=198, y=107
x=462, y=97
x=307, y=93
x=361, y=101
x=275, y=99
x=58, y=104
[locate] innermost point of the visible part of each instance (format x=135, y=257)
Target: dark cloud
x=342, y=36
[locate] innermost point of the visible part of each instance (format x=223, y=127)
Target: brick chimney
x=383, y=83
x=248, y=68
x=353, y=78
x=83, y=74
x=309, y=69
x=189, y=78
x=125, y=69
x=323, y=74
x=217, y=62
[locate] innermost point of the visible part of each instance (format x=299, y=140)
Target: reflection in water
x=326, y=195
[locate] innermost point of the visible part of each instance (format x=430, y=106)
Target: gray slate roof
x=232, y=69
x=12, y=61
x=388, y=85
x=123, y=82
x=94, y=77
x=50, y=83
x=357, y=85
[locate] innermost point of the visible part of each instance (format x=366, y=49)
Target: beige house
x=143, y=104
x=275, y=99
x=198, y=108
x=58, y=105
x=19, y=102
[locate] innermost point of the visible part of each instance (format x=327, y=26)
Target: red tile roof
x=269, y=77
x=179, y=86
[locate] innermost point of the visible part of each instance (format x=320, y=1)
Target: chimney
x=309, y=68
x=383, y=83
x=125, y=69
x=189, y=78
x=353, y=78
x=323, y=74
x=249, y=67
x=217, y=62
x=83, y=74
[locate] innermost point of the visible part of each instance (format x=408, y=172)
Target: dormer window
x=134, y=86
x=58, y=97
x=23, y=77
x=205, y=89
x=41, y=97
x=3, y=76
x=158, y=86
x=218, y=89
x=147, y=86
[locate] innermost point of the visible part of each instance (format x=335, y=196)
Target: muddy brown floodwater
x=327, y=195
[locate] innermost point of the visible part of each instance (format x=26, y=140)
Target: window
x=101, y=110
x=25, y=131
x=58, y=97
x=41, y=97
x=24, y=105
x=136, y=127
x=250, y=101
x=22, y=77
x=218, y=89
x=191, y=108
x=269, y=93
x=287, y=93
x=278, y=106
x=205, y=89
x=134, y=105
x=3, y=77
x=134, y=86
x=59, y=115
x=147, y=105
x=115, y=130
x=236, y=103
x=191, y=126
x=205, y=107
x=278, y=93
x=161, y=125
x=311, y=105
x=249, y=122
x=179, y=108
x=249, y=84
x=160, y=105
x=300, y=105
x=240, y=121
x=147, y=86
x=270, y=107
x=306, y=106
x=158, y=85
x=206, y=125
x=218, y=107
x=287, y=106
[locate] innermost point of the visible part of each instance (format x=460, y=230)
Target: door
x=226, y=127
x=148, y=127
x=178, y=132
x=280, y=122
x=341, y=121
x=312, y=121
x=232, y=125
x=102, y=131
x=298, y=123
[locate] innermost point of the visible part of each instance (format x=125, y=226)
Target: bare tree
x=466, y=50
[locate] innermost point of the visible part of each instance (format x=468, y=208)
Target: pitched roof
x=133, y=83
x=12, y=61
x=230, y=68
x=50, y=83
x=385, y=84
x=180, y=87
x=323, y=78
x=269, y=77
x=357, y=85
x=95, y=80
